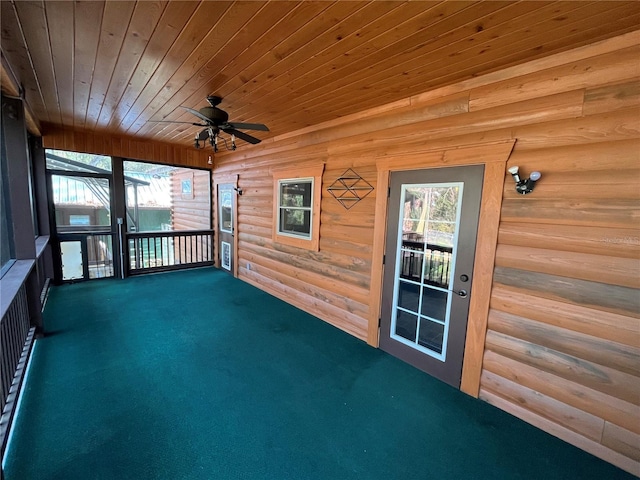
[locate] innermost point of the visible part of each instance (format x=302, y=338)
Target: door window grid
x=422, y=223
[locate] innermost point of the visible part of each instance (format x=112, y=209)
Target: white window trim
x=285, y=181
x=314, y=174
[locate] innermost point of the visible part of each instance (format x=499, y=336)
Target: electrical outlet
x=248, y=266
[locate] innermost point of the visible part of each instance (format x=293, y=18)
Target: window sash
x=293, y=181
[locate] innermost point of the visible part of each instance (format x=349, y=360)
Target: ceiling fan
x=216, y=121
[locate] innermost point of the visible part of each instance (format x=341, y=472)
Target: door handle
x=461, y=293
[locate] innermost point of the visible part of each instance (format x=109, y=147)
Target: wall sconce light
x=524, y=186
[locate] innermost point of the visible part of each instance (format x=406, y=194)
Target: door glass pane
x=100, y=256
x=406, y=325
x=408, y=296
x=427, y=239
x=81, y=203
x=434, y=303
x=431, y=335
x=71, y=260
x=226, y=210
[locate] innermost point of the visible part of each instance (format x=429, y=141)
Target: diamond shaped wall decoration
x=350, y=188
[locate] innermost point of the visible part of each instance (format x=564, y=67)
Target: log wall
x=126, y=147
x=191, y=211
x=559, y=342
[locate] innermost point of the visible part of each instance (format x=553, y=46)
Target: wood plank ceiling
x=113, y=67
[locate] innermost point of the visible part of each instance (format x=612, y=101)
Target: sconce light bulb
x=514, y=170
x=535, y=176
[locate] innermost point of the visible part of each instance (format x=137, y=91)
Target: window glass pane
x=77, y=162
x=162, y=197
x=81, y=203
x=295, y=222
x=296, y=194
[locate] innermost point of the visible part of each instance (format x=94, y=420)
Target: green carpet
x=196, y=375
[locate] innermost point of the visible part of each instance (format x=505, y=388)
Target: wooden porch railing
x=161, y=251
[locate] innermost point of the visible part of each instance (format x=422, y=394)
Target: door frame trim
x=217, y=180
x=494, y=157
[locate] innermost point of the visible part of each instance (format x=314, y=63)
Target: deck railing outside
x=159, y=251
x=426, y=262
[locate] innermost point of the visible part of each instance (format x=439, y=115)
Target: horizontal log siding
x=127, y=147
x=562, y=345
x=191, y=211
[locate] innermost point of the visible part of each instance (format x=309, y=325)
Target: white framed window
x=295, y=207
x=296, y=204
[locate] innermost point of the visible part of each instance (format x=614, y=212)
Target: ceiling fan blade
x=249, y=126
x=198, y=114
x=171, y=121
x=242, y=135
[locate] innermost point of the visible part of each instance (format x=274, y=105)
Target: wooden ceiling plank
x=363, y=52
x=144, y=20
x=400, y=74
x=269, y=54
x=354, y=37
x=214, y=45
x=293, y=20
x=88, y=18
x=276, y=51
x=172, y=22
x=31, y=16
x=286, y=71
x=538, y=41
x=200, y=84
x=297, y=46
x=529, y=41
x=115, y=22
x=192, y=35
x=381, y=81
x=410, y=48
x=60, y=23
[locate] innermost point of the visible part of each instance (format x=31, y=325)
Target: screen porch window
x=295, y=207
x=296, y=204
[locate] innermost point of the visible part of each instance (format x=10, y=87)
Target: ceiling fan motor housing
x=214, y=114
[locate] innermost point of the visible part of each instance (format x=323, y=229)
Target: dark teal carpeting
x=196, y=375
